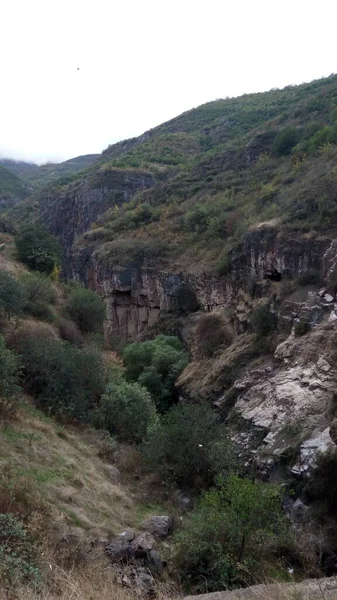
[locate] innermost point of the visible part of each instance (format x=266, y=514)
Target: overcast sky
x=142, y=62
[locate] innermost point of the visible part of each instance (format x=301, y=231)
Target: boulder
x=143, y=543
x=299, y=511
x=114, y=473
x=159, y=526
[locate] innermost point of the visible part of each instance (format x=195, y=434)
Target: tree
x=126, y=409
x=65, y=380
x=9, y=371
x=37, y=287
x=38, y=249
x=223, y=543
x=264, y=320
x=182, y=447
x=87, y=309
x=285, y=141
x=12, y=296
x=156, y=364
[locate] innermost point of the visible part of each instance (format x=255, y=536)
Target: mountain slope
x=12, y=189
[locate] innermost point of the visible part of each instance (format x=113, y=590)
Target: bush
x=87, y=309
x=224, y=265
x=37, y=287
x=211, y=334
x=156, y=364
x=12, y=296
x=224, y=541
x=38, y=249
x=181, y=448
x=9, y=371
x=17, y=556
x=126, y=410
x=285, y=141
x=65, y=381
x=321, y=489
x=301, y=328
x=264, y=320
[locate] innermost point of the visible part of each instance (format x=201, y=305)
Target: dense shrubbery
x=9, y=371
x=156, y=364
x=12, y=295
x=187, y=447
x=38, y=249
x=87, y=309
x=126, y=410
x=64, y=380
x=301, y=328
x=211, y=334
x=223, y=541
x=17, y=555
x=285, y=141
x=264, y=320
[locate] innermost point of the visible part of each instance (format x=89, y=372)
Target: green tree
x=38, y=249
x=87, y=309
x=12, y=296
x=156, y=364
x=224, y=541
x=127, y=410
x=64, y=380
x=37, y=287
x=17, y=553
x=182, y=447
x=9, y=371
x=285, y=141
x=264, y=320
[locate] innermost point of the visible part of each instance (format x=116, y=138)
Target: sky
x=78, y=75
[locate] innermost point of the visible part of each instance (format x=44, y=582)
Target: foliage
x=301, y=328
x=224, y=541
x=264, y=320
x=12, y=295
x=182, y=446
x=38, y=249
x=87, y=309
x=211, y=334
x=285, y=141
x=126, y=410
x=65, y=380
x=156, y=364
x=321, y=488
x=9, y=371
x=17, y=555
x=37, y=287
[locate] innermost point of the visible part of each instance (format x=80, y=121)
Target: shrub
x=38, y=249
x=211, y=334
x=321, y=488
x=309, y=278
x=12, y=296
x=181, y=448
x=285, y=141
x=224, y=541
x=37, y=287
x=126, y=410
x=65, y=380
x=87, y=309
x=9, y=371
x=223, y=264
x=301, y=328
x=264, y=320
x=17, y=556
x=156, y=364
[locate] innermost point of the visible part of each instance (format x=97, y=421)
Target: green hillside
x=12, y=189
x=222, y=169
x=37, y=176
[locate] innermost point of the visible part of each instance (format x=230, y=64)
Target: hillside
x=12, y=189
x=36, y=176
x=212, y=241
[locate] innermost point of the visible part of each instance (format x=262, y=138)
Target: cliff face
x=140, y=291
x=70, y=213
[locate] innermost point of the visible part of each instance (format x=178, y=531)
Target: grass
x=66, y=471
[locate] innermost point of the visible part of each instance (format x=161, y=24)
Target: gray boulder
x=159, y=526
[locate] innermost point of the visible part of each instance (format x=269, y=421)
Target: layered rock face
x=292, y=401
x=71, y=213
